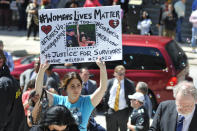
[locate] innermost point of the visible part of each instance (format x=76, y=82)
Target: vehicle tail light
x=171, y=83
x=16, y=63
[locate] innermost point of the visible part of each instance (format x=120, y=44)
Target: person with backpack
x=144, y=25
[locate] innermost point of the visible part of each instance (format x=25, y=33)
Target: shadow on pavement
x=13, y=32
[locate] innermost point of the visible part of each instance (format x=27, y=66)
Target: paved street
x=15, y=42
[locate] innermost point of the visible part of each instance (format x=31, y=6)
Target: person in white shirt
x=116, y=101
x=193, y=20
x=144, y=25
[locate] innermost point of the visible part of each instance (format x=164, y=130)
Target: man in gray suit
x=30, y=74
x=89, y=86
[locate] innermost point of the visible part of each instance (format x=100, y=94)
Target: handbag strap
x=40, y=106
x=43, y=95
x=44, y=100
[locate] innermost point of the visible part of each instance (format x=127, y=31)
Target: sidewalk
x=191, y=56
x=15, y=42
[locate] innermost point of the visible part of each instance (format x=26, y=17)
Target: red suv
x=158, y=61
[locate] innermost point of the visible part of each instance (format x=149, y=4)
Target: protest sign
x=76, y=35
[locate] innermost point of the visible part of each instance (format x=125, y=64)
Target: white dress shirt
x=122, y=101
x=193, y=18
x=187, y=120
x=144, y=26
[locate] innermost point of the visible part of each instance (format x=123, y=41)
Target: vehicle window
x=143, y=58
x=177, y=55
x=139, y=58
x=113, y=64
x=134, y=57
x=28, y=59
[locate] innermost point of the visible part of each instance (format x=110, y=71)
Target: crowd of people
x=43, y=102
x=69, y=105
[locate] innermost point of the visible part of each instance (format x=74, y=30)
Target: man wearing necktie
x=116, y=101
x=89, y=86
x=179, y=114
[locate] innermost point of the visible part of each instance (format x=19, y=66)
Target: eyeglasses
x=121, y=74
x=185, y=106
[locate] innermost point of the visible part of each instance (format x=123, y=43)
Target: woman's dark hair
x=31, y=84
x=147, y=15
x=68, y=77
x=31, y=102
x=57, y=115
x=83, y=35
x=50, y=68
x=2, y=56
x=4, y=70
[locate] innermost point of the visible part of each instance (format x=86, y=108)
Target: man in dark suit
x=89, y=86
x=179, y=114
x=116, y=100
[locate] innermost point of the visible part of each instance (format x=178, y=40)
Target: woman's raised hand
x=101, y=64
x=44, y=66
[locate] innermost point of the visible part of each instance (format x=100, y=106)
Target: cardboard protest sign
x=76, y=35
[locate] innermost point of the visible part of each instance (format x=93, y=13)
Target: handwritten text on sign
x=77, y=35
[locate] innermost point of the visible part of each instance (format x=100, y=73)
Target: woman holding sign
x=80, y=106
x=82, y=40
